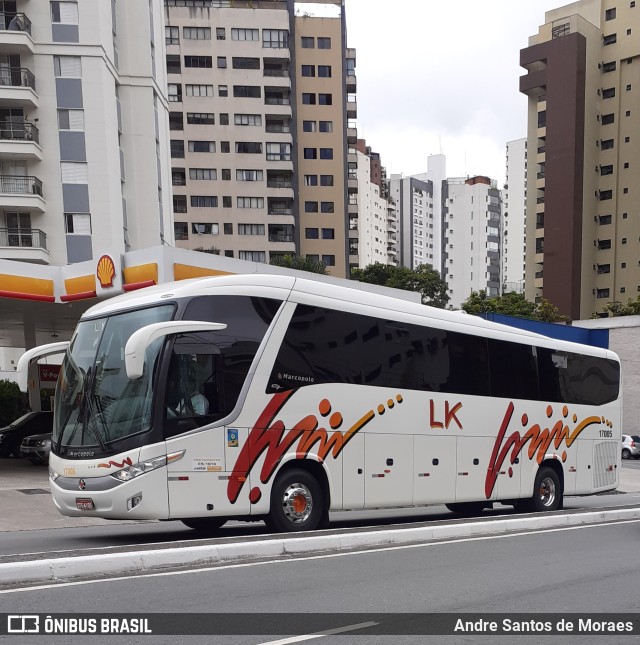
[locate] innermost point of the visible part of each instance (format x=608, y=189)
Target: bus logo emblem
x=82, y=484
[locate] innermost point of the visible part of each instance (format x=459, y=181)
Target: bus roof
x=309, y=291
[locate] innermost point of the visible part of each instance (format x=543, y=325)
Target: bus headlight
x=142, y=467
x=53, y=475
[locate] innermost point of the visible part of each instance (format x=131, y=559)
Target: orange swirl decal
x=269, y=436
x=540, y=440
x=125, y=462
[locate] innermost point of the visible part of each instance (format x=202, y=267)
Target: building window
x=253, y=256
x=227, y=202
x=627, y=113
x=242, y=62
x=181, y=230
x=310, y=153
x=311, y=180
x=609, y=39
x=609, y=67
x=606, y=195
x=224, y=118
x=250, y=202
x=311, y=207
x=247, y=91
x=228, y=228
x=175, y=92
x=326, y=180
x=607, y=119
x=179, y=203
x=308, y=98
x=308, y=126
x=204, y=228
x=199, y=90
x=249, y=175
x=606, y=144
x=178, y=177
x=77, y=223
x=606, y=170
x=223, y=90
x=309, y=70
x=250, y=229
x=311, y=233
x=247, y=119
x=202, y=174
x=308, y=42
x=202, y=146
x=325, y=99
x=203, y=62
x=221, y=33
x=610, y=14
x=329, y=260
x=173, y=64
x=249, y=147
x=326, y=153
x=324, y=71
x=200, y=118
x=176, y=121
x=324, y=43
x=177, y=149
x=328, y=234
x=67, y=67
x=71, y=119
x=226, y=174
x=245, y=34
x=625, y=191
x=275, y=38
x=204, y=201
x=221, y=62
x=602, y=293
x=65, y=13
x=326, y=126
x=74, y=172
x=225, y=147
x=626, y=164
x=171, y=35
x=196, y=33
x=604, y=219
x=609, y=93
x=326, y=207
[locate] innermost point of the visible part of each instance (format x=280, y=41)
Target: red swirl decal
x=117, y=464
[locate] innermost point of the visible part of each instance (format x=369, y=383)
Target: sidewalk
x=25, y=502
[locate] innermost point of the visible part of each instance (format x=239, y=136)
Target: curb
x=69, y=568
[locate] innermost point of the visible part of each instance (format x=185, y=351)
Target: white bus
x=278, y=398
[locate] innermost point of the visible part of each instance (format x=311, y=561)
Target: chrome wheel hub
x=547, y=491
x=297, y=503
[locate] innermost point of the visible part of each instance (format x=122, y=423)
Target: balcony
x=24, y=244
x=21, y=193
x=19, y=140
x=352, y=136
x=352, y=107
x=280, y=210
x=279, y=182
x=18, y=86
x=15, y=33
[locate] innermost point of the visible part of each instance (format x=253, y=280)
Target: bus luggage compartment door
x=388, y=468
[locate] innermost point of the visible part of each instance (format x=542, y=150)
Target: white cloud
x=442, y=77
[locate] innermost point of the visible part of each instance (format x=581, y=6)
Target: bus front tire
x=297, y=503
x=547, y=493
x=205, y=524
x=467, y=509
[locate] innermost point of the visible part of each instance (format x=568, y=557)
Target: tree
x=212, y=250
x=615, y=308
x=13, y=403
x=424, y=279
x=512, y=304
x=299, y=263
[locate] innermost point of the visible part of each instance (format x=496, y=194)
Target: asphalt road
x=559, y=571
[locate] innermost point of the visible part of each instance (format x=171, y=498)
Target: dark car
x=36, y=448
x=12, y=435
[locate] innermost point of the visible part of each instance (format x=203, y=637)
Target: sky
x=441, y=76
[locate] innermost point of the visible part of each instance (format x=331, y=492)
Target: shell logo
x=106, y=271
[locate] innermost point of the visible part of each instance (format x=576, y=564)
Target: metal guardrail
x=19, y=131
x=20, y=185
x=280, y=238
x=23, y=237
x=17, y=77
x=14, y=22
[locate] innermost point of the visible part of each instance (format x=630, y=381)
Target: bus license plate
x=85, y=504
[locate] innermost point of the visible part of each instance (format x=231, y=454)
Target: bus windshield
x=96, y=403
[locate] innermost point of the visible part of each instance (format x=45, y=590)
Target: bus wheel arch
x=300, y=497
x=548, y=489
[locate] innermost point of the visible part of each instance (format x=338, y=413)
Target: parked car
x=36, y=448
x=630, y=446
x=11, y=436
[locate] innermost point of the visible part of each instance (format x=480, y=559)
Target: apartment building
x=471, y=237
x=83, y=130
x=514, y=217
x=583, y=228
x=262, y=97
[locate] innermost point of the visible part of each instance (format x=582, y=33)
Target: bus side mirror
x=22, y=369
x=136, y=347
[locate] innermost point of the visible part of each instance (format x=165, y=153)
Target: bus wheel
x=297, y=502
x=467, y=509
x=547, y=493
x=205, y=524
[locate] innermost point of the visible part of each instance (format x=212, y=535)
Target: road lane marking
x=327, y=632
x=286, y=560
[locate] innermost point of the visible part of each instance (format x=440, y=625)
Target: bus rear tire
x=547, y=493
x=297, y=503
x=205, y=524
x=467, y=509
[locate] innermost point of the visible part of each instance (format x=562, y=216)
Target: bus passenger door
x=353, y=473
x=434, y=469
x=388, y=468
x=474, y=454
